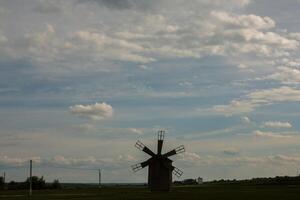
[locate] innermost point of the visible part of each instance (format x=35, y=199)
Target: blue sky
x=82, y=80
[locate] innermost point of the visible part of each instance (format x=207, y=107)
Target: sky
x=82, y=80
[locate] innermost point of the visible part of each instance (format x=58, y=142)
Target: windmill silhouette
x=160, y=166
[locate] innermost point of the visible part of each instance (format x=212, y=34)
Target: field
x=138, y=193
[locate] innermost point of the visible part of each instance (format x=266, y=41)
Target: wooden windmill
x=160, y=166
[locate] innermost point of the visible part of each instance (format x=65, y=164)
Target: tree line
x=38, y=183
x=278, y=180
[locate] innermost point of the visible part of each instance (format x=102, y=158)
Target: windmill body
x=159, y=176
x=160, y=166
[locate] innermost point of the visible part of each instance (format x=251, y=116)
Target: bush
x=56, y=185
x=37, y=183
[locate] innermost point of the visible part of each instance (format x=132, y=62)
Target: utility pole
x=99, y=178
x=30, y=178
x=4, y=177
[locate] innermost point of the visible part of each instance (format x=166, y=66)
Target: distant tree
x=37, y=183
x=1, y=183
x=12, y=185
x=56, y=184
x=189, y=182
x=177, y=182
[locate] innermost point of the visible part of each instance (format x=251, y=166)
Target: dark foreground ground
x=182, y=193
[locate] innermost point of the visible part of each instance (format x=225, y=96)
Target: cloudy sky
x=82, y=80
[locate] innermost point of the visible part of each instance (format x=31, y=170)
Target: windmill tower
x=160, y=166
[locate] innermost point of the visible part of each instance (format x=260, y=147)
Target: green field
x=182, y=193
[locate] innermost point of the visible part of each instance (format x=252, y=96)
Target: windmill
x=160, y=166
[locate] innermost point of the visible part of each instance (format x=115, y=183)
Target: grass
x=227, y=192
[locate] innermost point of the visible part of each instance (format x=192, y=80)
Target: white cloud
x=289, y=62
x=246, y=119
x=285, y=75
x=258, y=38
x=283, y=93
x=277, y=124
x=242, y=66
x=270, y=135
x=109, y=47
x=189, y=157
x=246, y=21
x=17, y=161
x=235, y=107
x=97, y=111
x=136, y=131
x=295, y=36
x=257, y=99
x=226, y=2
x=127, y=158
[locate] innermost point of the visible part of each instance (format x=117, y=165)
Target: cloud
x=231, y=151
x=243, y=66
x=189, y=157
x=8, y=161
x=207, y=28
x=246, y=21
x=257, y=99
x=193, y=159
x=63, y=161
x=3, y=39
x=84, y=128
x=40, y=47
x=246, y=119
x=148, y=5
x=285, y=75
x=259, y=39
x=136, y=131
x=47, y=7
x=124, y=5
x=295, y=36
x=117, y=4
x=60, y=161
x=235, y=107
x=97, y=111
x=277, y=124
x=108, y=47
x=262, y=134
x=281, y=94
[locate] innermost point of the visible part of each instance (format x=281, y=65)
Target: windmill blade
x=141, y=165
x=136, y=167
x=177, y=172
x=161, y=135
x=177, y=150
x=139, y=145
